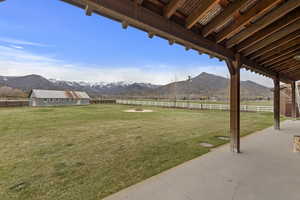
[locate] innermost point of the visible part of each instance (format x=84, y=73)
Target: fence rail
x=14, y=103
x=244, y=108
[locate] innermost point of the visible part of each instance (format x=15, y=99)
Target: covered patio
x=261, y=36
x=267, y=169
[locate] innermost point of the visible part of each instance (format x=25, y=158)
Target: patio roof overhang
x=264, y=33
x=259, y=35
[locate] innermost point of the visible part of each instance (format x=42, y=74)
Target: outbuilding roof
x=58, y=94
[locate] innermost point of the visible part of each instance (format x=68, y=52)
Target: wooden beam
x=295, y=71
x=234, y=67
x=172, y=6
x=146, y=20
x=276, y=36
x=138, y=2
x=259, y=8
x=281, y=59
x=223, y=17
x=279, y=55
x=262, y=23
x=283, y=65
x=279, y=51
x=200, y=12
x=254, y=66
x=276, y=101
x=290, y=68
x=269, y=30
x=88, y=11
x=276, y=44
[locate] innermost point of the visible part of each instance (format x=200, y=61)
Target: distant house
x=58, y=98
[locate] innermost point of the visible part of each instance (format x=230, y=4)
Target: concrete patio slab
x=267, y=169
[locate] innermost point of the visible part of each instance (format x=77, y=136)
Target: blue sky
x=57, y=40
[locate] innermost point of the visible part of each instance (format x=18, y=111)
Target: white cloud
x=19, y=62
x=21, y=42
x=17, y=47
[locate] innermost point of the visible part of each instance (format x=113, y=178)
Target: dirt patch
x=223, y=138
x=205, y=144
x=138, y=111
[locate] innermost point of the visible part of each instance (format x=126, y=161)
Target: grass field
x=92, y=151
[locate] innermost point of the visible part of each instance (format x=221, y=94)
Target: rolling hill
x=204, y=84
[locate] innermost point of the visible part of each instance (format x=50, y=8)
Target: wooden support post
x=234, y=69
x=294, y=105
x=277, y=103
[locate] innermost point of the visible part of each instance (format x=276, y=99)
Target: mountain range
x=204, y=84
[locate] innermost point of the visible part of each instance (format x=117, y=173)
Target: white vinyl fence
x=249, y=108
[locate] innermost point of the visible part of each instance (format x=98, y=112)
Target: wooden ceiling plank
x=272, y=28
x=146, y=20
x=250, y=64
x=292, y=69
x=260, y=7
x=138, y=2
x=200, y=12
x=280, y=49
x=276, y=36
x=172, y=7
x=262, y=23
x=290, y=55
x=283, y=64
x=223, y=17
x=290, y=37
x=280, y=54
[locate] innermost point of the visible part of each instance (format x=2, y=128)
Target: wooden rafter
x=199, y=12
x=283, y=64
x=240, y=22
x=293, y=69
x=262, y=23
x=139, y=2
x=278, y=60
x=279, y=50
x=280, y=54
x=269, y=30
x=276, y=36
x=142, y=18
x=152, y=20
x=223, y=17
x=172, y=6
x=290, y=38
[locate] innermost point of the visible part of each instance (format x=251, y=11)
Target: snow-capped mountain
x=202, y=85
x=26, y=83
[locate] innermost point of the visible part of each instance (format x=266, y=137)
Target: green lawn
x=92, y=151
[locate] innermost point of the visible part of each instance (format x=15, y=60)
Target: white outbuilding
x=58, y=98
